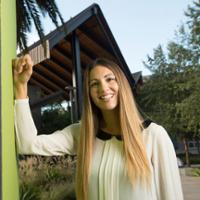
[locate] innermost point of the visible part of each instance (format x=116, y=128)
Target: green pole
x=9, y=175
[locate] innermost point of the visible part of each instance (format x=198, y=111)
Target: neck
x=110, y=122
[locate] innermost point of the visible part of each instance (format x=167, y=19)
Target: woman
x=118, y=158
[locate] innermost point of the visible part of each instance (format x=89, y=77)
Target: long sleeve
x=28, y=142
x=167, y=177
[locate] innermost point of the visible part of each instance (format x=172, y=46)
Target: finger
x=15, y=62
x=29, y=62
x=23, y=63
x=28, y=59
x=18, y=64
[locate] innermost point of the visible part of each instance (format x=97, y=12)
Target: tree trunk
x=186, y=148
x=198, y=145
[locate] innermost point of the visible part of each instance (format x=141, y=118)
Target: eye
x=93, y=84
x=109, y=79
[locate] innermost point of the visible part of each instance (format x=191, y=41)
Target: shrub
x=194, y=158
x=196, y=172
x=46, y=177
x=29, y=192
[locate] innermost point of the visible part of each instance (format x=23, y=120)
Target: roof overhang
x=95, y=40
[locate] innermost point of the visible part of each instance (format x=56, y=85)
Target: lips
x=106, y=97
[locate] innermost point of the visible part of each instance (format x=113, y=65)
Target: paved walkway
x=191, y=187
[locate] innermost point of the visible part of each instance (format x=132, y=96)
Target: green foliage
x=49, y=178
x=54, y=117
x=29, y=192
x=193, y=14
x=158, y=62
x=196, y=172
x=194, y=158
x=29, y=13
x=52, y=174
x=171, y=95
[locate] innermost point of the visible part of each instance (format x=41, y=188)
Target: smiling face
x=103, y=88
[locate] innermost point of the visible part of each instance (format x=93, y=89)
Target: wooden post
x=9, y=175
x=77, y=72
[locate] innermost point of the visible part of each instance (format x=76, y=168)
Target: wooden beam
x=40, y=68
x=63, y=59
x=86, y=58
x=100, y=51
x=44, y=88
x=97, y=36
x=46, y=82
x=57, y=68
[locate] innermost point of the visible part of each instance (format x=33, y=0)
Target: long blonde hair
x=137, y=164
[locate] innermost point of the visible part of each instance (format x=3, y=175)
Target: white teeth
x=106, y=97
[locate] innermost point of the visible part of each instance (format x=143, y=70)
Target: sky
x=138, y=26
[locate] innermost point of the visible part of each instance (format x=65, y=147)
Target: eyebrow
x=107, y=75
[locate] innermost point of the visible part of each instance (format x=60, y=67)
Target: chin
x=108, y=107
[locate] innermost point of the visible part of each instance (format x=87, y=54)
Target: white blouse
x=108, y=180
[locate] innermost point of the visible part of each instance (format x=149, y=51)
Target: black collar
x=146, y=123
x=106, y=136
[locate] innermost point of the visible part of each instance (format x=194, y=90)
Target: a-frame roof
x=95, y=39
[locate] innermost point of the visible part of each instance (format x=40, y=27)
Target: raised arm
x=28, y=142
x=22, y=71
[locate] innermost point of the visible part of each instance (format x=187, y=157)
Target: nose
x=103, y=86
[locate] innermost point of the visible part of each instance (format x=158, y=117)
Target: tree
x=171, y=95
x=191, y=104
x=156, y=97
x=193, y=14
x=54, y=117
x=164, y=90
x=29, y=12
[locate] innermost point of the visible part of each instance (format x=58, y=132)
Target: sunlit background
x=138, y=26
